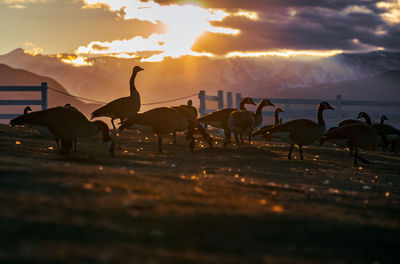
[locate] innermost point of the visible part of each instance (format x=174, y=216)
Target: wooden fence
x=306, y=108
x=42, y=102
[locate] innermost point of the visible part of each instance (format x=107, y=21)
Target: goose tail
x=20, y=120
x=99, y=112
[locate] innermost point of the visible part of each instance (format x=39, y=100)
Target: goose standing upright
x=258, y=117
x=219, y=118
x=303, y=131
x=66, y=124
x=241, y=122
x=277, y=121
x=122, y=108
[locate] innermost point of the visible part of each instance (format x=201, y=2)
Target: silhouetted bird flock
x=67, y=124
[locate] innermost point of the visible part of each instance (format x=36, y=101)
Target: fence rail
x=42, y=102
x=293, y=107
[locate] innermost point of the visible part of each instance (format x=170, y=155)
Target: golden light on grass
x=17, y=142
x=277, y=209
x=387, y=194
x=263, y=202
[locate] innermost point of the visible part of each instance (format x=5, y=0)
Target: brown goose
x=161, y=121
x=66, y=124
x=258, y=117
x=355, y=136
x=241, y=122
x=383, y=118
x=389, y=135
x=190, y=106
x=262, y=130
x=219, y=118
x=193, y=124
x=303, y=131
x=124, y=107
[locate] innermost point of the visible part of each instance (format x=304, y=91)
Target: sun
x=184, y=23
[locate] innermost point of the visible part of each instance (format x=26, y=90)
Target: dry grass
x=247, y=205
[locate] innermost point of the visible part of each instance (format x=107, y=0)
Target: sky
x=155, y=29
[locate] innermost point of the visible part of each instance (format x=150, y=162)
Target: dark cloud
x=300, y=24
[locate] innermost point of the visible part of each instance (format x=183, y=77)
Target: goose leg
x=290, y=151
x=301, y=152
x=74, y=145
x=241, y=138
x=160, y=144
x=190, y=136
x=112, y=122
x=227, y=136
x=249, y=139
x=236, y=138
x=174, y=138
x=205, y=135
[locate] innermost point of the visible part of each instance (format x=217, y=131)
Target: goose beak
x=330, y=107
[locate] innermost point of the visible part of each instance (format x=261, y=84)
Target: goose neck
x=321, y=121
x=276, y=118
x=132, y=83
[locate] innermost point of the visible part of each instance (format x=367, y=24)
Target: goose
x=159, y=121
x=190, y=106
x=241, y=122
x=258, y=117
x=383, y=118
x=27, y=110
x=193, y=124
x=355, y=136
x=66, y=124
x=124, y=107
x=219, y=118
x=263, y=130
x=303, y=131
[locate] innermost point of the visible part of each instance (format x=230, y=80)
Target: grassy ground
x=247, y=205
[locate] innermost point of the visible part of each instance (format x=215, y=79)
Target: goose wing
x=119, y=108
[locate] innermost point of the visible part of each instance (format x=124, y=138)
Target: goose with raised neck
x=122, y=108
x=219, y=118
x=303, y=132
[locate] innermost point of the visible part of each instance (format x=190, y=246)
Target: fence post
x=238, y=99
x=220, y=99
x=202, y=98
x=44, y=95
x=339, y=105
x=229, y=100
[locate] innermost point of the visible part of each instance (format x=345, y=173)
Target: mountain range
x=365, y=76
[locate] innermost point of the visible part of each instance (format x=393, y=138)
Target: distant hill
x=384, y=86
x=271, y=76
x=15, y=77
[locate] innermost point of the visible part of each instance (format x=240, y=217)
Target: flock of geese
x=67, y=124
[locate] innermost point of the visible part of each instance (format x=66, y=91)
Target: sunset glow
x=178, y=39
x=392, y=14
x=76, y=61
x=285, y=53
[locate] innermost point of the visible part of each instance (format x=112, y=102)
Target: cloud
x=20, y=4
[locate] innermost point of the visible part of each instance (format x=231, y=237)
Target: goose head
x=189, y=102
x=247, y=100
x=266, y=102
x=383, y=118
x=325, y=105
x=362, y=115
x=137, y=69
x=27, y=109
x=279, y=110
